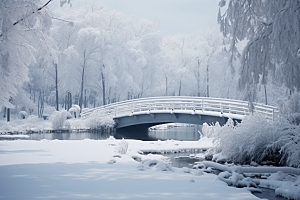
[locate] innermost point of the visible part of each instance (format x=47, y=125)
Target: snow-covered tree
x=189, y=60
x=24, y=27
x=105, y=54
x=272, y=32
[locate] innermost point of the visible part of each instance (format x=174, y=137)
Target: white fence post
x=194, y=106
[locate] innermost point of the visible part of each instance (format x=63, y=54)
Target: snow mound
x=197, y=172
x=162, y=166
x=158, y=165
x=289, y=191
x=111, y=138
x=279, y=176
x=112, y=161
x=186, y=170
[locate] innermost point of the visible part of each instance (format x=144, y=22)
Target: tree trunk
x=179, y=91
x=4, y=112
x=94, y=102
x=266, y=96
x=66, y=102
x=82, y=83
x=198, y=80
x=142, y=92
x=76, y=99
x=56, y=87
x=41, y=104
x=166, y=85
x=85, y=102
x=70, y=101
x=207, y=82
x=34, y=96
x=103, y=86
x=8, y=114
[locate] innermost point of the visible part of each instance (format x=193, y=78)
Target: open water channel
x=186, y=133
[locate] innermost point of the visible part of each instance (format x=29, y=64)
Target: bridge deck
x=202, y=106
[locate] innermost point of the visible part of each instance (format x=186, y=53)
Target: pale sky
x=172, y=16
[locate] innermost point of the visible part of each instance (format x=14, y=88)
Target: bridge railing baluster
x=186, y=104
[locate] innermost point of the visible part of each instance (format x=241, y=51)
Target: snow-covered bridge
x=177, y=109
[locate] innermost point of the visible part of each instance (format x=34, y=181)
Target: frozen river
x=176, y=133
x=186, y=133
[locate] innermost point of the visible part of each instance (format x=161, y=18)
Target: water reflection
x=185, y=133
x=188, y=133
x=69, y=136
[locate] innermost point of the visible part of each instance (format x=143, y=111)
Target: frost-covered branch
x=20, y=20
x=272, y=31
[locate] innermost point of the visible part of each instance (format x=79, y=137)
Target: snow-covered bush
x=58, y=119
x=289, y=145
x=98, y=119
x=216, y=131
x=291, y=109
x=75, y=111
x=122, y=147
x=257, y=139
x=23, y=114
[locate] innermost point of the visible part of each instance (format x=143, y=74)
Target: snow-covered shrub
x=216, y=131
x=75, y=111
x=291, y=109
x=257, y=139
x=249, y=140
x=23, y=114
x=122, y=147
x=289, y=144
x=58, y=119
x=98, y=119
x=211, y=131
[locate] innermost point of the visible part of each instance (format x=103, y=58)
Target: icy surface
x=91, y=169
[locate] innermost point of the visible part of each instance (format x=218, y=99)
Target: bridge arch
x=178, y=109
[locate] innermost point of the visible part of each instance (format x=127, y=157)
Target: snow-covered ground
x=56, y=121
x=93, y=169
x=17, y=125
x=35, y=124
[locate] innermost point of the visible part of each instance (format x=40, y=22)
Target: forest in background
x=93, y=56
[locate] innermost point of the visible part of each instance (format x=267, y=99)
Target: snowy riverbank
x=33, y=124
x=93, y=169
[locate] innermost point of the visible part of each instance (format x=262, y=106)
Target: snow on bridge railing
x=179, y=104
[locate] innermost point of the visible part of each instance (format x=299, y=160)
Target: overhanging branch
x=40, y=8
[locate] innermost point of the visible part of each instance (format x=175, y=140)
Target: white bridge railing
x=230, y=108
